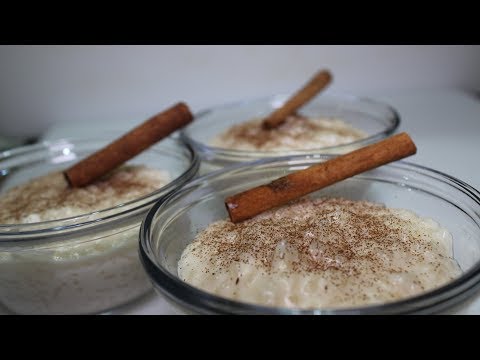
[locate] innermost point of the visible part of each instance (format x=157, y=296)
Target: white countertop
x=445, y=126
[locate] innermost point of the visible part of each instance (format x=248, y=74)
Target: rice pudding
x=85, y=275
x=297, y=133
x=323, y=253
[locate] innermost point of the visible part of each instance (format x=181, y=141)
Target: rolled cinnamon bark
x=309, y=90
x=129, y=145
x=252, y=202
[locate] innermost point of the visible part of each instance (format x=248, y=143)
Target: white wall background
x=41, y=86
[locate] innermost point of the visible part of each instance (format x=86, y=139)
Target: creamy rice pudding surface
x=324, y=253
x=50, y=198
x=297, y=133
x=80, y=276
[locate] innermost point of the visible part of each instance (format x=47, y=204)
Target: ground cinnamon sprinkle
x=50, y=198
x=354, y=236
x=361, y=252
x=298, y=132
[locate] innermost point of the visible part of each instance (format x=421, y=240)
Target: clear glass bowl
x=84, y=264
x=377, y=119
x=173, y=223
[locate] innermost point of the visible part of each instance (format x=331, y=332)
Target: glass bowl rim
x=192, y=297
x=104, y=215
x=202, y=148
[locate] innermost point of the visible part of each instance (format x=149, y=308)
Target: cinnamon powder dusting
x=50, y=198
x=298, y=132
x=325, y=252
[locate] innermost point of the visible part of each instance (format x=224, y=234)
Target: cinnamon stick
x=129, y=145
x=309, y=90
x=252, y=202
